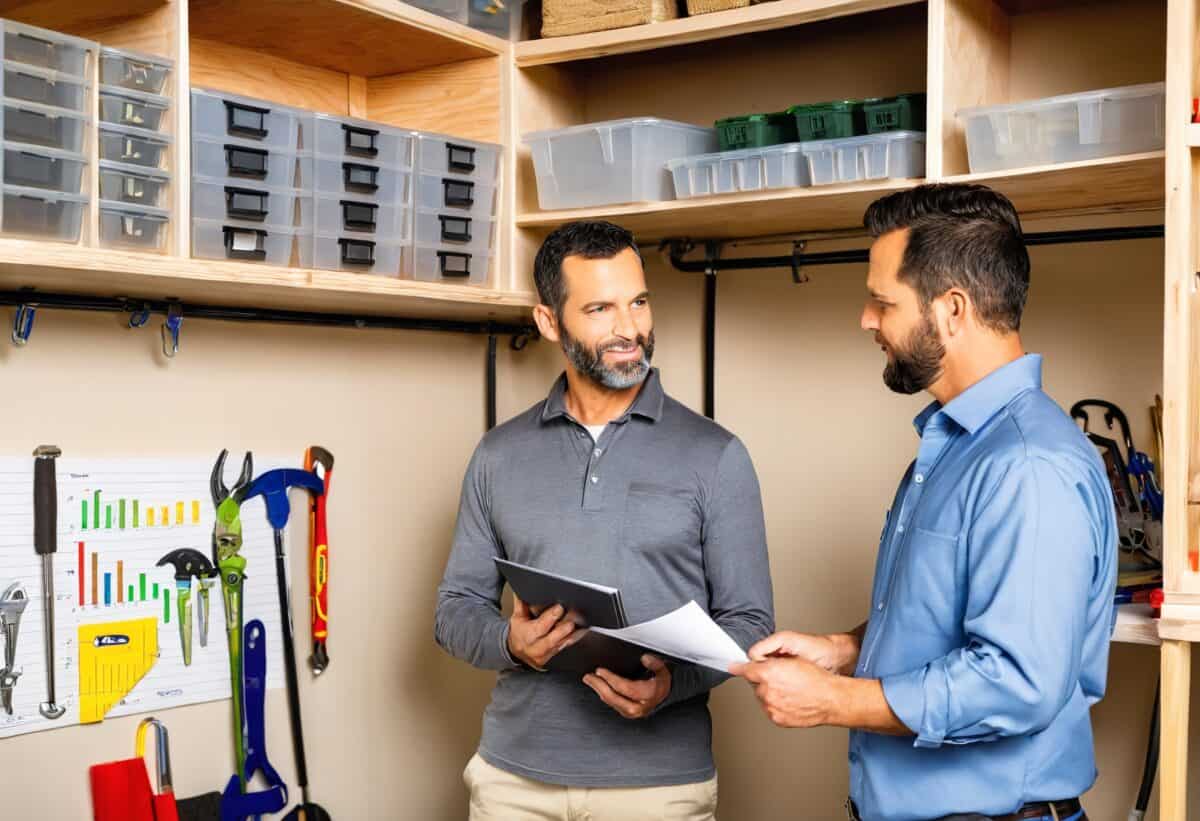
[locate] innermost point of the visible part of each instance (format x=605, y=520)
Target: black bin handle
x=459, y=193
x=460, y=157
x=357, y=251
x=247, y=162
x=246, y=120
x=360, y=140
x=258, y=252
x=454, y=264
x=246, y=203
x=359, y=216
x=360, y=177
x=455, y=229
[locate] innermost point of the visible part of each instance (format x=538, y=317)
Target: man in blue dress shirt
x=968, y=689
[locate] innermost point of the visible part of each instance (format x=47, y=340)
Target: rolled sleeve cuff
x=504, y=653
x=919, y=703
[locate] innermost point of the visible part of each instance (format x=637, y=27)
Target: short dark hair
x=964, y=236
x=590, y=240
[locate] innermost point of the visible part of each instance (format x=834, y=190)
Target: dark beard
x=918, y=365
x=590, y=361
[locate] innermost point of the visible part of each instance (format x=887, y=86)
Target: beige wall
x=393, y=720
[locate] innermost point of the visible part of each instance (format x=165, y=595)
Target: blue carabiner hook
x=170, y=330
x=139, y=318
x=23, y=324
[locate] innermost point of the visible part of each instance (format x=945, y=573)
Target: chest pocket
x=661, y=519
x=927, y=582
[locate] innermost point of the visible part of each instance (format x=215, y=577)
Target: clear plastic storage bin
x=45, y=126
x=453, y=266
x=133, y=184
x=438, y=154
x=134, y=70
x=132, y=226
x=28, y=212
x=434, y=228
x=1069, y=128
x=120, y=106
x=612, y=162
x=232, y=200
x=42, y=85
x=134, y=146
x=272, y=244
x=747, y=169
x=45, y=168
x=218, y=115
x=247, y=161
x=372, y=142
x=46, y=49
x=456, y=195
x=386, y=221
x=887, y=155
x=360, y=254
x=503, y=19
x=345, y=175
x=452, y=9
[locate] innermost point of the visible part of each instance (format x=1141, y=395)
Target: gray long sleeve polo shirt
x=665, y=506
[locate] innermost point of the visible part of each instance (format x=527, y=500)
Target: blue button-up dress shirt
x=992, y=609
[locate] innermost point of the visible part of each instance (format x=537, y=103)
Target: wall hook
x=23, y=323
x=170, y=330
x=798, y=275
x=138, y=317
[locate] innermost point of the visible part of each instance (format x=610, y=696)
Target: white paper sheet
x=688, y=634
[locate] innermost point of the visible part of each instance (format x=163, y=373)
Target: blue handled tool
x=273, y=486
x=236, y=805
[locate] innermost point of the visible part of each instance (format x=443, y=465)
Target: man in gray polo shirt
x=612, y=481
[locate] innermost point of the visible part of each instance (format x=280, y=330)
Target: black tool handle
x=45, y=506
x=289, y=661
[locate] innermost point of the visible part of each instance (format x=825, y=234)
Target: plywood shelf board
x=75, y=16
x=1135, y=625
x=369, y=38
x=73, y=269
x=701, y=28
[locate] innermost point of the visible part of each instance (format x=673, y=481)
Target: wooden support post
x=1176, y=689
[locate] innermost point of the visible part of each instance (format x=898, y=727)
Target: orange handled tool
x=319, y=461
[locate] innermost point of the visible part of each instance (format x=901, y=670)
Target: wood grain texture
x=72, y=269
x=763, y=17
x=369, y=38
x=975, y=70
x=1176, y=662
x=356, y=94
x=462, y=99
x=75, y=16
x=239, y=70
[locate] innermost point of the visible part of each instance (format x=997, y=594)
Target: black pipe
x=710, y=344
x=859, y=255
x=132, y=306
x=1151, y=767
x=491, y=382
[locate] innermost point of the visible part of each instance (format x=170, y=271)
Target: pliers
x=226, y=547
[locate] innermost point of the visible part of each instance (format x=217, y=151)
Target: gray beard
x=621, y=377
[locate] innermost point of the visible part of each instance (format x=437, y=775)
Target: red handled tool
x=319, y=461
x=121, y=789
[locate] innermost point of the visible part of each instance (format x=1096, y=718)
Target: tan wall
x=393, y=720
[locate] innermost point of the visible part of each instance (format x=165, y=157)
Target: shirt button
x=919, y=478
x=879, y=606
x=595, y=479
x=596, y=453
x=899, y=528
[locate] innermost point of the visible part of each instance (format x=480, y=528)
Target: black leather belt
x=1038, y=809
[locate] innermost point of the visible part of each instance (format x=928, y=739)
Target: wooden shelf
x=1135, y=625
x=96, y=271
x=762, y=17
x=367, y=38
x=1193, y=135
x=1133, y=182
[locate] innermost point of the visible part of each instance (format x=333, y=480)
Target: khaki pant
x=497, y=795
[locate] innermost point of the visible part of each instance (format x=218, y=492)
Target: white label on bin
x=244, y=241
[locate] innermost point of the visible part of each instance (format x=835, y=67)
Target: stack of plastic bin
x=46, y=97
x=363, y=195
x=454, y=227
x=134, y=189
x=252, y=180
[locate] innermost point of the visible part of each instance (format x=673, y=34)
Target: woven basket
x=695, y=7
x=563, y=17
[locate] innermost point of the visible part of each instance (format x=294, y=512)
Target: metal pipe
x=710, y=344
x=491, y=382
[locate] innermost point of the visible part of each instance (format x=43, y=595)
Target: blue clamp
x=170, y=330
x=23, y=323
x=273, y=486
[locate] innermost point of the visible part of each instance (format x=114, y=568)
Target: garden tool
x=45, y=544
x=227, y=544
x=188, y=563
x=12, y=604
x=1138, y=463
x=319, y=461
x=273, y=487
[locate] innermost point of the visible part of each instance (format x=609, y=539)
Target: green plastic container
x=829, y=121
x=904, y=112
x=756, y=130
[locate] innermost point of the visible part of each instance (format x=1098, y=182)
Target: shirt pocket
x=662, y=520
x=927, y=594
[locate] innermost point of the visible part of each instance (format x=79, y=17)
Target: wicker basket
x=695, y=7
x=563, y=17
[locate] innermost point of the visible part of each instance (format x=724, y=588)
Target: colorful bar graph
x=107, y=589
x=166, y=516
x=142, y=586
x=179, y=513
x=195, y=511
x=149, y=517
x=120, y=582
x=155, y=590
x=131, y=592
x=82, y=602
x=83, y=506
x=135, y=512
x=108, y=517
x=95, y=579
x=122, y=515
x=96, y=511
x=166, y=606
